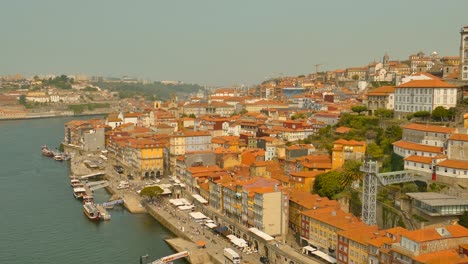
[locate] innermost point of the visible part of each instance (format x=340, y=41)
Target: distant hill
x=151, y=91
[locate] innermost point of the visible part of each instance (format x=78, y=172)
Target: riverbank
x=47, y=116
x=186, y=231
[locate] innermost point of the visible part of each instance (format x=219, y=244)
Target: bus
x=231, y=257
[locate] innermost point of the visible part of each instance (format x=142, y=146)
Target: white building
x=424, y=95
x=464, y=54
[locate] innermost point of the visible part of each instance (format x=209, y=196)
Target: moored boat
x=79, y=192
x=91, y=212
x=58, y=158
x=46, y=151
x=76, y=183
x=88, y=199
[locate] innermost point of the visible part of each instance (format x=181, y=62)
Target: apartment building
x=424, y=95
x=320, y=227
x=381, y=98
x=187, y=141
x=146, y=157
x=344, y=150
x=427, y=134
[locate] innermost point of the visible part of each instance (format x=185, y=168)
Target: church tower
x=464, y=54
x=385, y=61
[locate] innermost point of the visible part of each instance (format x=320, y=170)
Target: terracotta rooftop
x=383, y=90
x=417, y=147
x=430, y=234
x=455, y=164
x=429, y=128
x=419, y=159
x=459, y=137
x=349, y=142
x=437, y=83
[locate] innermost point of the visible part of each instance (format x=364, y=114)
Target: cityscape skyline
x=216, y=43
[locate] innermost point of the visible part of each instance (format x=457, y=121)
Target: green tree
x=355, y=204
x=151, y=192
x=463, y=219
x=192, y=116
x=359, y=108
x=22, y=99
x=328, y=184
x=440, y=113
x=409, y=187
x=452, y=113
x=374, y=151
x=384, y=113
x=350, y=172
x=355, y=77
x=422, y=114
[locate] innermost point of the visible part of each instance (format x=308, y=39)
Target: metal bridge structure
x=372, y=180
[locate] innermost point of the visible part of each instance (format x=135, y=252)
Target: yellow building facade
x=344, y=150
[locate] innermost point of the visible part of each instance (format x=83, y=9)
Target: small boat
x=58, y=158
x=88, y=199
x=46, y=151
x=79, y=192
x=91, y=212
x=76, y=183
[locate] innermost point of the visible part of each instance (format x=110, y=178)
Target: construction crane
x=316, y=70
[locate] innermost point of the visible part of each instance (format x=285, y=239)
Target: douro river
x=41, y=222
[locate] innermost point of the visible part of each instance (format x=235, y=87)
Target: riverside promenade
x=180, y=224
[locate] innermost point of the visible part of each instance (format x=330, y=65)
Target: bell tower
x=385, y=61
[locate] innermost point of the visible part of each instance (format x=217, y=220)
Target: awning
x=324, y=256
x=179, y=202
x=211, y=225
x=261, y=234
x=197, y=215
x=200, y=199
x=185, y=207
x=232, y=237
x=200, y=243
x=308, y=248
x=221, y=229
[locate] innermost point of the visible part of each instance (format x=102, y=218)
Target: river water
x=41, y=222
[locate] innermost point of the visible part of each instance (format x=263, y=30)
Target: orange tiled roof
x=444, y=256
x=419, y=159
x=430, y=234
x=426, y=84
x=455, y=164
x=349, y=142
x=335, y=217
x=383, y=90
x=343, y=130
x=429, y=128
x=360, y=235
x=417, y=147
x=306, y=174
x=459, y=137
x=309, y=200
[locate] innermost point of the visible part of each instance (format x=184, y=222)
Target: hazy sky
x=219, y=42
